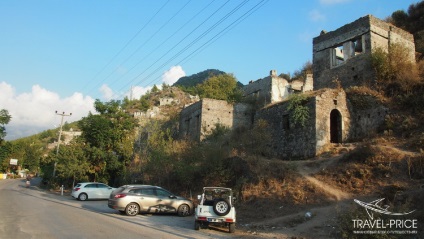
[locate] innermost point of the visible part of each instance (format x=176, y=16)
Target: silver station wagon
x=134, y=199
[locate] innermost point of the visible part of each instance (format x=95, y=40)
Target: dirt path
x=317, y=165
x=323, y=220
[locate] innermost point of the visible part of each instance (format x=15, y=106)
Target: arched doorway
x=335, y=126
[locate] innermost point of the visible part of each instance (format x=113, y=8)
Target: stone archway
x=335, y=126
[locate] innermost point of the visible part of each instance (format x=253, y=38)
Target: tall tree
x=413, y=22
x=73, y=163
x=221, y=87
x=110, y=137
x=4, y=119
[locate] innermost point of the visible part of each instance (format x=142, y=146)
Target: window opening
x=345, y=51
x=335, y=127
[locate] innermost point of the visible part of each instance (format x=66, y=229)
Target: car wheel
x=183, y=210
x=82, y=197
x=132, y=209
x=221, y=207
x=196, y=225
x=232, y=227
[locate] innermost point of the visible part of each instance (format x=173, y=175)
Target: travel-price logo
x=393, y=225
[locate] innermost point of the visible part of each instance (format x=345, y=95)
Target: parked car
x=134, y=199
x=91, y=190
x=215, y=207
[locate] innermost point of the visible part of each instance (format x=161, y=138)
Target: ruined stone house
x=274, y=88
x=199, y=119
x=343, y=54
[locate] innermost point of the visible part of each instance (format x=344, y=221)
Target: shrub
x=299, y=111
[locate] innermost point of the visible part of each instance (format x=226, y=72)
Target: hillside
x=198, y=78
x=326, y=186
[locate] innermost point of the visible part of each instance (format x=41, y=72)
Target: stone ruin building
x=342, y=54
x=274, y=88
x=199, y=119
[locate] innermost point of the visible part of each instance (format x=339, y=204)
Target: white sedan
x=91, y=190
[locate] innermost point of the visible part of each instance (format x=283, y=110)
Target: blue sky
x=62, y=55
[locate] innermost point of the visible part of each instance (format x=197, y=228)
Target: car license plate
x=214, y=220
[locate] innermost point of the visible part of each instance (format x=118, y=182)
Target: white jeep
x=215, y=207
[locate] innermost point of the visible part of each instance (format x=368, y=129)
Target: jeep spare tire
x=221, y=207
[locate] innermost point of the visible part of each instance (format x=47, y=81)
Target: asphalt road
x=35, y=213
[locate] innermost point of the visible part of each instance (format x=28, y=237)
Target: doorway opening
x=335, y=126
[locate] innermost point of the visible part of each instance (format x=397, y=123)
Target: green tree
x=4, y=119
x=155, y=89
x=221, y=87
x=110, y=138
x=73, y=162
x=5, y=151
x=157, y=153
x=144, y=103
x=299, y=112
x=413, y=22
x=394, y=70
x=32, y=156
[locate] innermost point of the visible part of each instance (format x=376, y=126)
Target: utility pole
x=58, y=141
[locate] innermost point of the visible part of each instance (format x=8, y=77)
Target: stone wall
x=168, y=101
x=343, y=54
x=268, y=90
x=366, y=119
x=332, y=118
x=199, y=119
x=290, y=140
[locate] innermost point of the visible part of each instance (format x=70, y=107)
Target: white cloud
x=34, y=112
x=138, y=91
x=107, y=92
x=172, y=75
x=316, y=16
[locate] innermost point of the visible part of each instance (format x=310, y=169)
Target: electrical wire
x=124, y=47
x=175, y=46
x=220, y=34
x=189, y=45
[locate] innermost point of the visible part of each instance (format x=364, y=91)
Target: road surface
x=35, y=213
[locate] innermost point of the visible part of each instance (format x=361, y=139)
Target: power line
x=225, y=30
x=167, y=39
x=221, y=33
x=160, y=58
x=145, y=42
x=190, y=44
x=125, y=46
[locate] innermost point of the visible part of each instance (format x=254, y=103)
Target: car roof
x=212, y=188
x=89, y=182
x=137, y=186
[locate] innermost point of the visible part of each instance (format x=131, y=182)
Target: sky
x=60, y=55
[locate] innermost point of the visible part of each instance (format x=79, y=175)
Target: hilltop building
x=334, y=117
x=344, y=54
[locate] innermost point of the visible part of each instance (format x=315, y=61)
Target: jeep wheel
x=221, y=207
x=232, y=227
x=196, y=225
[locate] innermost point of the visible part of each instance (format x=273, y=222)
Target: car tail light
x=229, y=220
x=76, y=189
x=120, y=195
x=201, y=218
